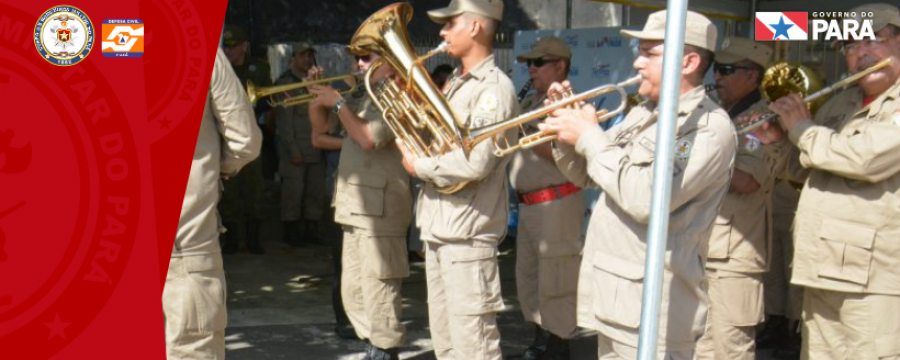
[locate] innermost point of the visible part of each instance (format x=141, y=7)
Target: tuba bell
x=412, y=106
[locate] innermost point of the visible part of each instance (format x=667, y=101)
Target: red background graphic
x=89, y=210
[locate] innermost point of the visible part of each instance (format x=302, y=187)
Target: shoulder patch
x=683, y=149
x=488, y=103
x=751, y=143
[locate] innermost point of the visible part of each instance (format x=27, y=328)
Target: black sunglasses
x=539, y=62
x=726, y=69
x=365, y=58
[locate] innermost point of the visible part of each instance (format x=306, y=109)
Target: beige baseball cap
x=737, y=49
x=301, y=47
x=882, y=14
x=488, y=8
x=548, y=46
x=699, y=31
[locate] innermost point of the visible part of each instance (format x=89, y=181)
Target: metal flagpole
x=673, y=53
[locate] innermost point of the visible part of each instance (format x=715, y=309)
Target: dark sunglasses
x=724, y=69
x=364, y=58
x=539, y=62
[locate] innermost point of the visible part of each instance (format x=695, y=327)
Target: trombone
x=818, y=94
x=475, y=136
x=254, y=93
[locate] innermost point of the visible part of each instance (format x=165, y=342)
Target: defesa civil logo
x=123, y=38
x=830, y=26
x=63, y=35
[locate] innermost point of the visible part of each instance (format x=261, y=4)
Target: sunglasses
x=363, y=58
x=539, y=62
x=724, y=70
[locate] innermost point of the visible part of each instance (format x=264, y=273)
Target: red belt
x=548, y=194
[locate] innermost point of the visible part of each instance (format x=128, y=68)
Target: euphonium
x=255, y=93
x=412, y=106
x=782, y=79
x=495, y=131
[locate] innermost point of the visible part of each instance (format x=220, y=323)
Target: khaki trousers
x=463, y=300
x=547, y=280
x=194, y=308
x=735, y=308
x=373, y=268
x=609, y=349
x=845, y=326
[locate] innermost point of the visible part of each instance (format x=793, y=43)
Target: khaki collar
x=479, y=71
x=687, y=102
x=875, y=106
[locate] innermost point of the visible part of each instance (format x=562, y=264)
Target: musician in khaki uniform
x=462, y=230
x=300, y=163
x=741, y=239
x=194, y=294
x=374, y=205
x=848, y=220
x=551, y=212
x=619, y=161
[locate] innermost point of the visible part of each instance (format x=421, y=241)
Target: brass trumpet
x=495, y=131
x=254, y=93
x=812, y=97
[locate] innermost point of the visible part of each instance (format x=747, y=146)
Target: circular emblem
x=683, y=149
x=64, y=35
x=752, y=143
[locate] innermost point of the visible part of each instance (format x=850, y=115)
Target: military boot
x=537, y=348
x=375, y=353
x=253, y=238
x=773, y=334
x=292, y=235
x=557, y=348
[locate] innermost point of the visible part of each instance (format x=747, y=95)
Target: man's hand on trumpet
x=568, y=123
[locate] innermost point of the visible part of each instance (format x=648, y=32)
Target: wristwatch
x=338, y=105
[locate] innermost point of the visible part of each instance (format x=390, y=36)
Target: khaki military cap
x=737, y=49
x=233, y=35
x=488, y=8
x=548, y=46
x=699, y=31
x=883, y=14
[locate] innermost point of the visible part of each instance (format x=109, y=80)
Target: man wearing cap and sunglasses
x=847, y=225
x=551, y=209
x=620, y=162
x=462, y=230
x=301, y=167
x=741, y=238
x=374, y=205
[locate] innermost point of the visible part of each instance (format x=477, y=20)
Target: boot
x=791, y=344
x=557, y=348
x=253, y=238
x=773, y=334
x=229, y=239
x=345, y=331
x=375, y=353
x=292, y=233
x=537, y=348
x=311, y=233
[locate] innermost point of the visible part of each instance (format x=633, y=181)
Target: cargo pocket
x=846, y=251
x=365, y=194
x=559, y=276
x=618, y=289
x=204, y=300
x=473, y=281
x=389, y=260
x=643, y=152
x=720, y=239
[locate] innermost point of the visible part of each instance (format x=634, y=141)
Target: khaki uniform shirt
x=558, y=219
x=228, y=140
x=483, y=96
x=620, y=162
x=372, y=191
x=848, y=221
x=741, y=239
x=293, y=128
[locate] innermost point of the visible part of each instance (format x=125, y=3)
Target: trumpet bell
x=783, y=78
